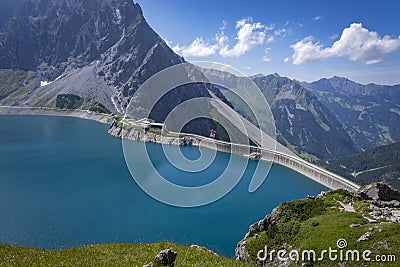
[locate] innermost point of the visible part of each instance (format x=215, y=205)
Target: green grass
x=16, y=83
x=308, y=157
x=322, y=124
x=68, y=101
x=110, y=255
x=98, y=108
x=318, y=224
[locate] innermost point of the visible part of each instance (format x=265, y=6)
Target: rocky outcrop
x=255, y=229
x=166, y=257
x=138, y=134
x=379, y=192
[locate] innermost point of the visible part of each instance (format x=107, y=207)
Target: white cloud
x=280, y=32
x=316, y=18
x=356, y=44
x=248, y=36
x=286, y=60
x=306, y=51
x=270, y=39
x=246, y=67
x=198, y=48
x=266, y=57
x=224, y=24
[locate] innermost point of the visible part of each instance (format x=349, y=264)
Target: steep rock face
x=370, y=113
x=58, y=32
x=7, y=7
x=99, y=50
x=51, y=36
x=379, y=191
x=264, y=224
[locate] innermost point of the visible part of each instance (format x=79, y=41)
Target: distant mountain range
x=370, y=113
x=96, y=54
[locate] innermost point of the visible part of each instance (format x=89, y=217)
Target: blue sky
x=303, y=40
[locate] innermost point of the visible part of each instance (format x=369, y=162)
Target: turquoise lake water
x=64, y=183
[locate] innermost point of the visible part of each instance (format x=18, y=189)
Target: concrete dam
x=320, y=175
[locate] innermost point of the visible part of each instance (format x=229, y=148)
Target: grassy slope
x=109, y=255
x=16, y=83
x=317, y=225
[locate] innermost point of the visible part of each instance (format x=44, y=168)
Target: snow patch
x=119, y=17
x=44, y=83
x=113, y=100
x=298, y=106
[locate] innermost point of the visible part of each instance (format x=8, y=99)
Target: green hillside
x=319, y=224
x=378, y=164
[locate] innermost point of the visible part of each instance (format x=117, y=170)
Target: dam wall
x=318, y=174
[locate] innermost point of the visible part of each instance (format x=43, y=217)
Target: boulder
x=166, y=257
x=364, y=237
x=378, y=191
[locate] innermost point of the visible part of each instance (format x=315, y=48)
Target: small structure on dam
x=144, y=123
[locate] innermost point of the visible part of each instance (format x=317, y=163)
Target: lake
x=64, y=183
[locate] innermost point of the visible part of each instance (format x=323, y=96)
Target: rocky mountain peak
x=61, y=34
x=59, y=38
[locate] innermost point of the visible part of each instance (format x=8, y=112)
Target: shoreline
x=82, y=114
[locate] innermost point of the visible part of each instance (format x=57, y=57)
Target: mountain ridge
x=369, y=113
x=302, y=122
